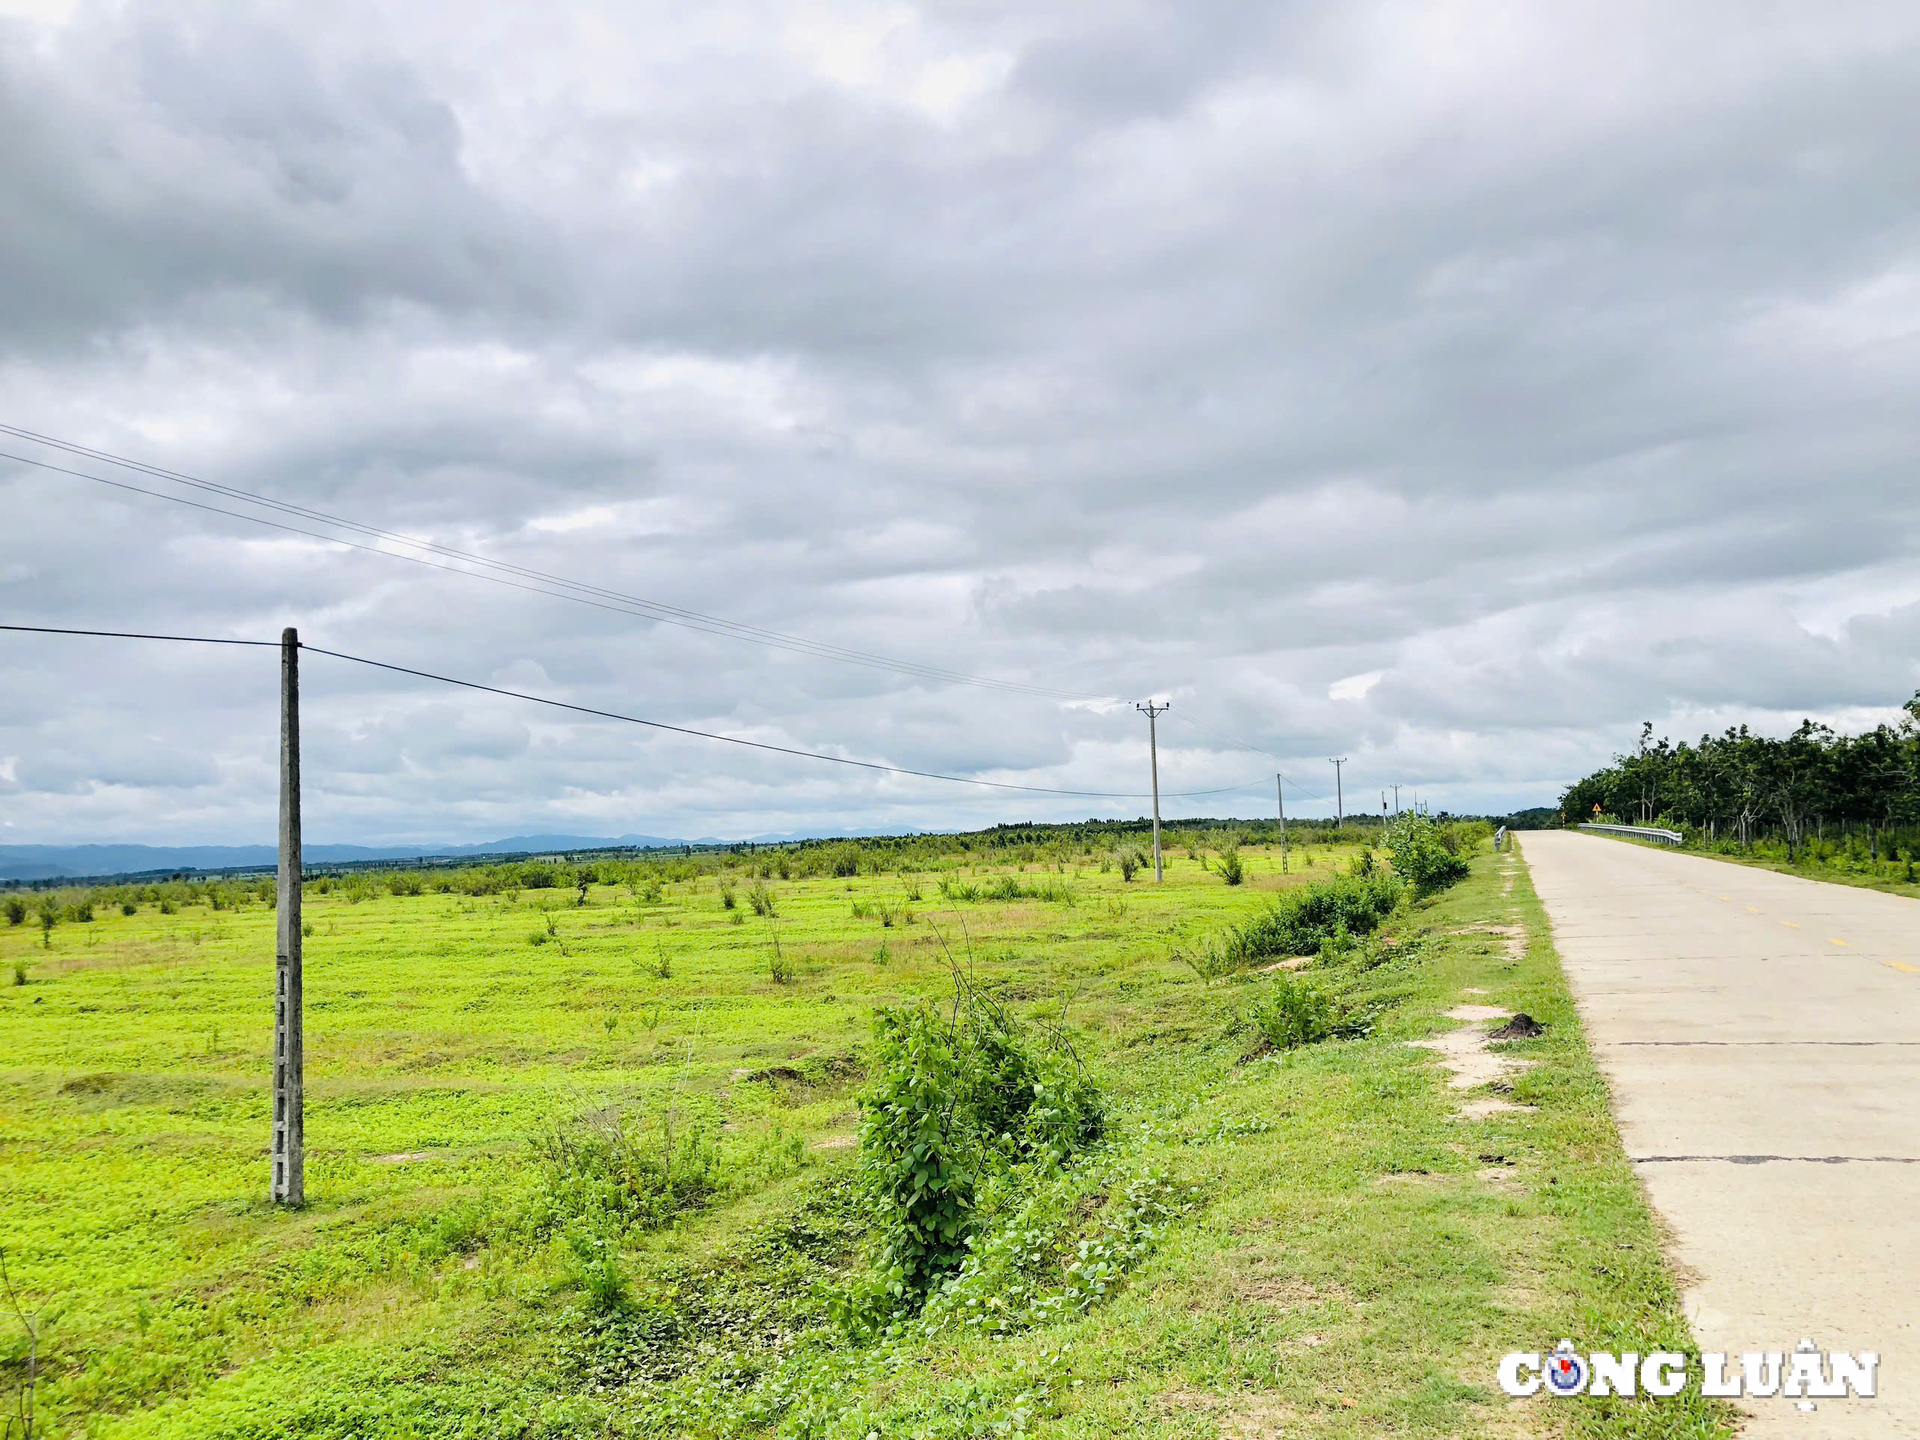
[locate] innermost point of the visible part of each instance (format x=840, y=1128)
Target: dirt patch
x=833, y=1142
x=1514, y=935
x=1255, y=1276
x=404, y=1157
x=1463, y=1051
x=1283, y=1292
x=1237, y=1417
x=1490, y=1105
x=1296, y=962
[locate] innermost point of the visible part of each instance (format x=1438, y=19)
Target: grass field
x=1300, y=1242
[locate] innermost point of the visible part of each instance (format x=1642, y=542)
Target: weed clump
x=613, y=1170
x=1295, y=1012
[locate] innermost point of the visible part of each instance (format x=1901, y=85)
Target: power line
x=651, y=724
x=1300, y=789
x=1257, y=749
x=136, y=635
x=598, y=596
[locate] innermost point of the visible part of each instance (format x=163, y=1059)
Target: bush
x=1231, y=869
x=1294, y=1012
x=1130, y=863
x=1300, y=921
x=1424, y=856
x=955, y=1100
x=16, y=911
x=761, y=899
x=614, y=1170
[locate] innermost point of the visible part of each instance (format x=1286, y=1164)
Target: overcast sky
x=1449, y=386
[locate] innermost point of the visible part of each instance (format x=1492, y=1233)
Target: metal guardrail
x=1500, y=838
x=1639, y=832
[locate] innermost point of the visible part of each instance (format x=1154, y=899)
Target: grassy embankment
x=1313, y=1247
x=1839, y=863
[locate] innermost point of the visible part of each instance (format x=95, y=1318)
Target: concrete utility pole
x=1396, y=799
x=1339, y=805
x=1153, y=713
x=289, y=1186
x=1280, y=798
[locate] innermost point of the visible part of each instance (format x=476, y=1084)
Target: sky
x=1445, y=386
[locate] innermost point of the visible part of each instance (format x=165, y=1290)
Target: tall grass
x=1303, y=920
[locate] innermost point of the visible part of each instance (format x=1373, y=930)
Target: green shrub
x=779, y=967
x=1422, y=855
x=127, y=907
x=761, y=899
x=1294, y=1012
x=1130, y=862
x=613, y=1169
x=1300, y=921
x=16, y=911
x=956, y=1098
x=1232, y=870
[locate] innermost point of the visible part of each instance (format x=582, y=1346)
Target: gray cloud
x=1555, y=366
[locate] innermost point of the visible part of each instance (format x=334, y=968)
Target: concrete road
x=1761, y=1034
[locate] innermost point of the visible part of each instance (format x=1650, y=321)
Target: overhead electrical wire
x=653, y=724
x=496, y=571
x=1257, y=749
x=139, y=635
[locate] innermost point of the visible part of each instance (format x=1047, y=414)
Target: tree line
x=1813, y=789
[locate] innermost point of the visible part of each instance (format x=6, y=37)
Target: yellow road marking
x=1727, y=898
x=1910, y=969
x=1836, y=940
x=1794, y=923
x=1755, y=910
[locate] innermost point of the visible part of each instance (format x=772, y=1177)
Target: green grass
x=1338, y=1258
x=1832, y=863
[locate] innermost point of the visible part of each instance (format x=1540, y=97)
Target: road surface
x=1761, y=1034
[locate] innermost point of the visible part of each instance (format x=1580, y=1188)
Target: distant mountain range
x=69, y=862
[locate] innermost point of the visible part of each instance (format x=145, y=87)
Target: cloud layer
x=1445, y=386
